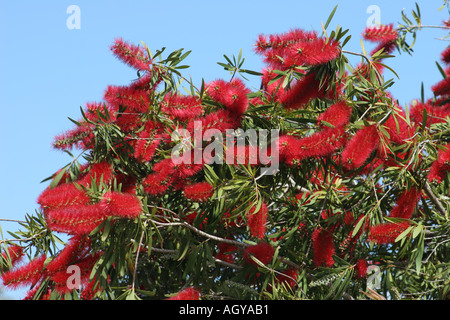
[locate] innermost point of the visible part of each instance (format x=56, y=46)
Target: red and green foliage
x=362, y=181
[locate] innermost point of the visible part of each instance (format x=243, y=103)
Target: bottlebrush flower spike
x=81, y=137
x=435, y=114
x=445, y=55
x=25, y=275
x=256, y=221
x=302, y=91
x=62, y=196
x=97, y=172
x=146, y=145
x=161, y=179
x=182, y=107
x=134, y=99
x=130, y=54
x=315, y=52
x=360, y=147
x=262, y=251
x=406, y=204
x=441, y=166
x=386, y=233
x=13, y=253
x=442, y=87
x=361, y=269
x=81, y=219
x=75, y=249
x=232, y=95
x=337, y=115
x=186, y=294
x=383, y=34
x=122, y=205
x=198, y=192
x=323, y=247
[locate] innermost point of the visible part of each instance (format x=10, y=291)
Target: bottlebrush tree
x=357, y=208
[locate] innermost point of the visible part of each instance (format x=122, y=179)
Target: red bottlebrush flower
x=128, y=122
x=337, y=114
x=186, y=294
x=130, y=54
x=361, y=269
x=406, y=204
x=26, y=274
x=445, y=55
x=437, y=172
x=122, y=205
x=220, y=120
x=386, y=232
x=135, y=100
x=81, y=219
x=322, y=143
x=288, y=149
x=182, y=107
x=81, y=137
x=233, y=94
x=158, y=182
x=385, y=33
x=301, y=92
x=13, y=254
x=442, y=87
x=275, y=47
x=315, y=52
x=434, y=114
x=323, y=247
x=200, y=191
x=98, y=172
x=146, y=145
x=397, y=127
x=360, y=147
x=76, y=248
x=92, y=109
x=62, y=196
x=441, y=166
x=256, y=221
x=262, y=251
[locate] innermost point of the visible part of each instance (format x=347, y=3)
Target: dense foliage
x=357, y=208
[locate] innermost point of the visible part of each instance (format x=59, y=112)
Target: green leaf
x=59, y=176
x=330, y=17
x=444, y=75
x=403, y=234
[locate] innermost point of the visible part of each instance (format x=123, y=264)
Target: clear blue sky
x=48, y=71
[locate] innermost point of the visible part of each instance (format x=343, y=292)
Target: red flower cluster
x=438, y=108
x=262, y=251
x=186, y=294
x=386, y=233
x=323, y=247
x=296, y=47
x=232, y=95
x=256, y=221
x=385, y=36
x=200, y=191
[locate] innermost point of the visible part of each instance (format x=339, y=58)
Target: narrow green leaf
x=330, y=17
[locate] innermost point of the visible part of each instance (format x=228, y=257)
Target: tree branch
x=435, y=200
